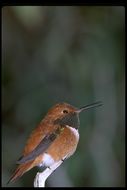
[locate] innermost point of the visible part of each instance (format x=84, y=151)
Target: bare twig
x=41, y=177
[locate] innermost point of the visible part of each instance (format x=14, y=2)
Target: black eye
x=65, y=111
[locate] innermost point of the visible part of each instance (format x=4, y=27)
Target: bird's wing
x=41, y=147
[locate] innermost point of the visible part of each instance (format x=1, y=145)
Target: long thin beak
x=96, y=104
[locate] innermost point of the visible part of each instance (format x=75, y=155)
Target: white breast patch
x=75, y=131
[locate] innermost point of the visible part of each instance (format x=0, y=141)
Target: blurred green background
x=73, y=54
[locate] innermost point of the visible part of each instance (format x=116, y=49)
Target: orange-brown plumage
x=62, y=145
x=54, y=139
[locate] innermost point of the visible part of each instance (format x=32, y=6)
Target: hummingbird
x=54, y=139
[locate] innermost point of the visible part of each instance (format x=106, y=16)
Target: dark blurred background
x=73, y=54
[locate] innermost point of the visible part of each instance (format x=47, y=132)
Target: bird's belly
x=65, y=145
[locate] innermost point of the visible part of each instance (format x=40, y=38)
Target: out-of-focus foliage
x=72, y=54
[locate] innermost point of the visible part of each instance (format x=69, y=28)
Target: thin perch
x=41, y=177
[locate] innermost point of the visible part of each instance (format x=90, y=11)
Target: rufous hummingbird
x=54, y=139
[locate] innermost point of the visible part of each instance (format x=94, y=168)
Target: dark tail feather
x=20, y=171
x=14, y=176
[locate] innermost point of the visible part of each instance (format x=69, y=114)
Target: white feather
x=47, y=160
x=75, y=131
